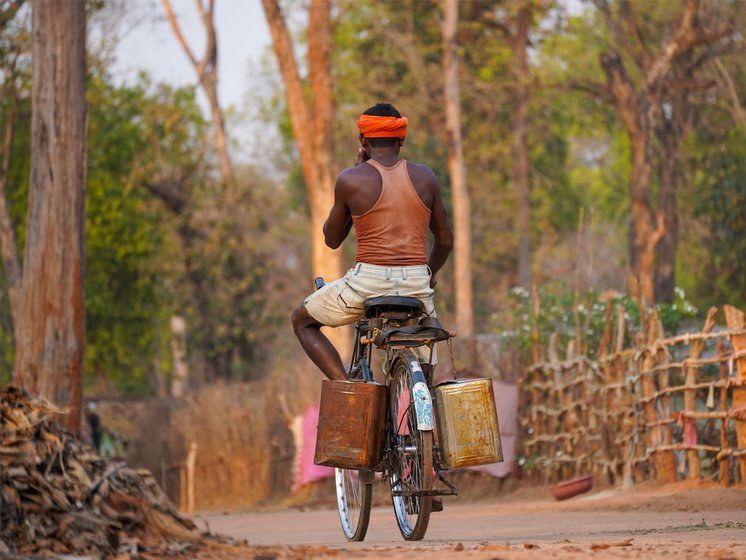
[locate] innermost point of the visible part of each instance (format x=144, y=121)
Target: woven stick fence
x=666, y=409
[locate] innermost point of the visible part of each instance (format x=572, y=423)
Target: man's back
x=362, y=185
x=390, y=216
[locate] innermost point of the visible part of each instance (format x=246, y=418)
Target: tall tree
x=639, y=106
x=515, y=29
x=207, y=73
x=50, y=333
x=518, y=41
x=311, y=113
x=457, y=171
x=675, y=120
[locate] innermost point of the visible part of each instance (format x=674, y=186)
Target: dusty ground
x=681, y=521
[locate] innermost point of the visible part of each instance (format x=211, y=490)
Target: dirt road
x=680, y=522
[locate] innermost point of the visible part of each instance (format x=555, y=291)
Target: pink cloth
x=304, y=437
x=402, y=414
x=690, y=433
x=506, y=402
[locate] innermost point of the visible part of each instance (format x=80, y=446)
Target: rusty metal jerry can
x=352, y=424
x=467, y=430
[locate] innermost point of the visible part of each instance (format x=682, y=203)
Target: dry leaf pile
x=59, y=496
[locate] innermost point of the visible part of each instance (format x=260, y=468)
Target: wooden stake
x=665, y=432
x=724, y=462
x=735, y=321
x=603, y=347
x=190, y=463
x=588, y=282
x=579, y=256
x=690, y=401
x=665, y=465
x=620, y=329
x=536, y=309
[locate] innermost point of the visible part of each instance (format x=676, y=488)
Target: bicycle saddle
x=375, y=306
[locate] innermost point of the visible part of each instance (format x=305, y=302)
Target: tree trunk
x=644, y=230
x=457, y=172
x=674, y=125
x=50, y=331
x=639, y=110
x=207, y=73
x=668, y=141
x=312, y=129
x=519, y=44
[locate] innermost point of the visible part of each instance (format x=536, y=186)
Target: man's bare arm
x=339, y=222
x=442, y=233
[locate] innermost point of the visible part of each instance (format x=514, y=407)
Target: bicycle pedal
x=437, y=504
x=366, y=476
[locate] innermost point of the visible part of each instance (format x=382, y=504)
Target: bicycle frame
x=362, y=359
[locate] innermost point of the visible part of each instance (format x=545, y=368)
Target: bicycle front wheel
x=411, y=468
x=354, y=496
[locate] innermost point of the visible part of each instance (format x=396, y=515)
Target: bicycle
x=392, y=324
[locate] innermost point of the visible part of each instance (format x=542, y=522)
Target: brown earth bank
x=683, y=520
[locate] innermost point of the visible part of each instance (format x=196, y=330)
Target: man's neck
x=385, y=156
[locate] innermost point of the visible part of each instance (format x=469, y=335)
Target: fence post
x=656, y=434
x=724, y=467
x=189, y=467
x=734, y=320
x=690, y=401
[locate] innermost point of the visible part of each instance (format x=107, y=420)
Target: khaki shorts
x=341, y=302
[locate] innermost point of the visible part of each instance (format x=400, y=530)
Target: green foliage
x=720, y=200
x=125, y=241
x=522, y=323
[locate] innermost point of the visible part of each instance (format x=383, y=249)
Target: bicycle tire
x=411, y=463
x=354, y=498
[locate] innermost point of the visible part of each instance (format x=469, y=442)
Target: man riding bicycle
x=392, y=203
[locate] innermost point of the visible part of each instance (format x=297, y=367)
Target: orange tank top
x=394, y=231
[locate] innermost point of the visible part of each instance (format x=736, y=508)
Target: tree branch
x=738, y=112
x=640, y=48
x=687, y=36
x=170, y=190
x=207, y=74
x=208, y=64
x=623, y=92
x=8, y=11
x=620, y=37
x=297, y=105
x=179, y=36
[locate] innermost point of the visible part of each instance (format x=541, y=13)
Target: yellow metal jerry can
x=466, y=423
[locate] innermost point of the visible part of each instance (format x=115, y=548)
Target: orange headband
x=371, y=126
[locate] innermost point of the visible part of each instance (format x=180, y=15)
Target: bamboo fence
x=665, y=409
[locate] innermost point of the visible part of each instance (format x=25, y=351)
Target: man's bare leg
x=317, y=346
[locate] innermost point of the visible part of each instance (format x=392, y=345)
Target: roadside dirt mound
x=57, y=495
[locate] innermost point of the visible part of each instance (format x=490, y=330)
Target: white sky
x=150, y=45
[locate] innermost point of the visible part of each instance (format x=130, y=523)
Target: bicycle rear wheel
x=411, y=468
x=354, y=497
